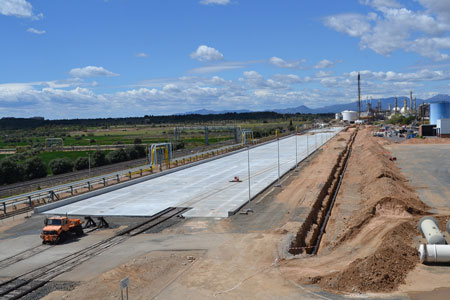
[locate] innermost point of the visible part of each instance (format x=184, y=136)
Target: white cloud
x=324, y=63
x=215, y=2
x=76, y=97
x=35, y=31
x=18, y=8
x=354, y=25
x=91, y=71
x=380, y=4
x=215, y=68
x=392, y=27
x=141, y=55
x=205, y=53
x=281, y=63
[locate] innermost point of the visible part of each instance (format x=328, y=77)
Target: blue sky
x=115, y=58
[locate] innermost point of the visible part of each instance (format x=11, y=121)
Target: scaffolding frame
x=247, y=137
x=159, y=153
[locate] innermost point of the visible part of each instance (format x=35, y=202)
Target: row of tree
x=18, y=123
x=13, y=170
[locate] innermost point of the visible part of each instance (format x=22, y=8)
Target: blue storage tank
x=439, y=110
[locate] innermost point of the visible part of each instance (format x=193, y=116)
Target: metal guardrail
x=54, y=193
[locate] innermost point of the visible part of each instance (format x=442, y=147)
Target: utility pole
x=359, y=96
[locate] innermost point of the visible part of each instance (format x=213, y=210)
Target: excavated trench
x=307, y=240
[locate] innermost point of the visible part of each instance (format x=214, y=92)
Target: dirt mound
x=375, y=216
x=383, y=271
x=383, y=190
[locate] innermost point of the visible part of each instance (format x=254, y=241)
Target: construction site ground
x=368, y=249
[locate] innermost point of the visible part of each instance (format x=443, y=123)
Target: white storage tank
x=337, y=116
x=443, y=126
x=349, y=116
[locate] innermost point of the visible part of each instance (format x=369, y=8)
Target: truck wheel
x=63, y=237
x=78, y=230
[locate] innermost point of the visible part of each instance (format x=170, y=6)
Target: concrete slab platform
x=206, y=188
x=428, y=168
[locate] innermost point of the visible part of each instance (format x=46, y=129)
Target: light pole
x=296, y=162
x=315, y=140
x=248, y=170
x=278, y=143
x=307, y=146
x=89, y=159
x=89, y=163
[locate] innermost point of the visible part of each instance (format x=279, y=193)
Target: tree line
x=13, y=169
x=21, y=123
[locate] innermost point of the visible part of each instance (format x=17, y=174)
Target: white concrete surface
x=206, y=187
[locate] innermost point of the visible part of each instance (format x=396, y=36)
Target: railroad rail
x=26, y=283
x=23, y=255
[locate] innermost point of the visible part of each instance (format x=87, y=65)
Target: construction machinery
x=59, y=229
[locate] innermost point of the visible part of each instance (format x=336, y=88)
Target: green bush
x=99, y=159
x=61, y=166
x=116, y=156
x=140, y=150
x=81, y=163
x=11, y=171
x=131, y=153
x=34, y=168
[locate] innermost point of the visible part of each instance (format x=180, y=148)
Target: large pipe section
x=434, y=253
x=428, y=226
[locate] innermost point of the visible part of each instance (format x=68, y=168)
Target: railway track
x=23, y=255
x=17, y=287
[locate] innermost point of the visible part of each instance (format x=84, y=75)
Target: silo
x=439, y=110
x=349, y=116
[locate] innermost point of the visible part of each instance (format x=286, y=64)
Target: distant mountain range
x=302, y=109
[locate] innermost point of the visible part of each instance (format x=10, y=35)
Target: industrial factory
x=431, y=119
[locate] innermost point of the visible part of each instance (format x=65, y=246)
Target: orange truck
x=59, y=229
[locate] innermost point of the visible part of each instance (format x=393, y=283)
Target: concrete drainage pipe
x=429, y=227
x=448, y=226
x=434, y=253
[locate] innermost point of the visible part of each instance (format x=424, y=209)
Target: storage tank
x=337, y=116
x=443, y=126
x=439, y=110
x=349, y=115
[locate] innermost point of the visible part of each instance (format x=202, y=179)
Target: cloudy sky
x=113, y=58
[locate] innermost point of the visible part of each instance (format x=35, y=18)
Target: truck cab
x=58, y=229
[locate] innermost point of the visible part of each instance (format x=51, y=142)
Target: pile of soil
x=382, y=196
x=383, y=271
x=383, y=189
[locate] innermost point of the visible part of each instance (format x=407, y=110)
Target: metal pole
x=296, y=162
x=278, y=142
x=248, y=170
x=315, y=140
x=89, y=162
x=307, y=146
